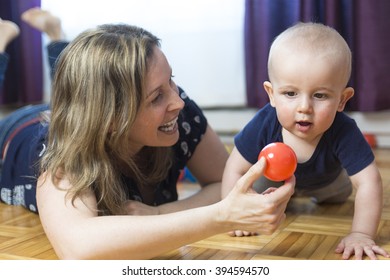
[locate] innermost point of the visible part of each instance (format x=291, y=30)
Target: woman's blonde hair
x=98, y=87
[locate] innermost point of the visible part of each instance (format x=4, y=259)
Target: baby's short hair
x=313, y=37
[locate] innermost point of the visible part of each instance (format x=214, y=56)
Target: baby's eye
x=319, y=95
x=290, y=93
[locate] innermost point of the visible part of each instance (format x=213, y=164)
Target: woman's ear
x=268, y=88
x=345, y=96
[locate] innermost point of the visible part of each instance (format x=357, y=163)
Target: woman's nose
x=176, y=102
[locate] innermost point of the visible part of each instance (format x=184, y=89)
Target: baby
x=309, y=67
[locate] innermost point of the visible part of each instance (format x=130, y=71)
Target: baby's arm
x=236, y=167
x=368, y=209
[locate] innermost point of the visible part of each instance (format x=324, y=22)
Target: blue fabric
x=54, y=50
x=20, y=168
x=341, y=146
x=3, y=66
x=21, y=116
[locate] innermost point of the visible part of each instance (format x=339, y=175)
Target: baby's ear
x=345, y=96
x=268, y=88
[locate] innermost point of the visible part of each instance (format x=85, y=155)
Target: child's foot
x=45, y=22
x=8, y=31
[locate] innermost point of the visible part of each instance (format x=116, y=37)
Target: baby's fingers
x=380, y=251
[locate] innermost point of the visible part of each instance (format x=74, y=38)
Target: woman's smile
x=169, y=127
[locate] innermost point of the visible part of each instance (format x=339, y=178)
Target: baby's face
x=307, y=91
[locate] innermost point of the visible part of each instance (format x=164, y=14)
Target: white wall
x=202, y=39
x=377, y=123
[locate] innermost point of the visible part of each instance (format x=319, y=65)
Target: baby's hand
x=137, y=208
x=359, y=244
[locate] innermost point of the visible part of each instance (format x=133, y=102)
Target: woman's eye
x=157, y=98
x=171, y=79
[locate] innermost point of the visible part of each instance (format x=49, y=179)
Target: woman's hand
x=249, y=211
x=241, y=233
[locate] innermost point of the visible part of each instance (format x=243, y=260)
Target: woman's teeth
x=168, y=126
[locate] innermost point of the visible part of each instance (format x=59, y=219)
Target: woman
x=120, y=131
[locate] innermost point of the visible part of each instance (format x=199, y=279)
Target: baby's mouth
x=303, y=126
x=304, y=123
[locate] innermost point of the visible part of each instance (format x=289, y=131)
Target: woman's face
x=156, y=123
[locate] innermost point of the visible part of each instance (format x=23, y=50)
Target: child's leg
x=49, y=24
x=336, y=192
x=8, y=32
x=45, y=22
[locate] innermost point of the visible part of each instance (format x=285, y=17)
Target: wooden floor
x=310, y=231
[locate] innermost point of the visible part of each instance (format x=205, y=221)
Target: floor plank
x=310, y=231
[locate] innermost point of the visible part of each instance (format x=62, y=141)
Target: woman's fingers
x=253, y=174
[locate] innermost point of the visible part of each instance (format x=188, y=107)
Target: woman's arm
x=76, y=232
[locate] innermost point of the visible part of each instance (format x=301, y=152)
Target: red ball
x=281, y=161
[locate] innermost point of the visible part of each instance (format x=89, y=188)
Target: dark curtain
x=24, y=76
x=364, y=24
